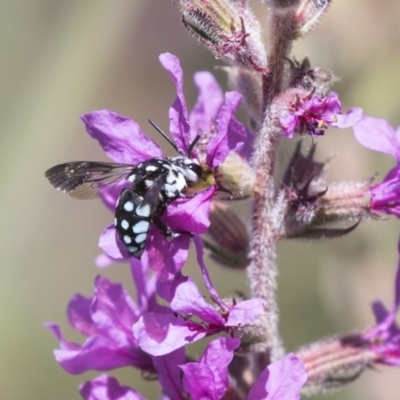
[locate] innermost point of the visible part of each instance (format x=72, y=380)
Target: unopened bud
x=309, y=14
x=345, y=201
x=229, y=239
x=305, y=13
x=248, y=83
x=228, y=28
x=235, y=178
x=316, y=80
x=303, y=185
x=334, y=363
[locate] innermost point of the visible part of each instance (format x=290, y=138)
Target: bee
x=153, y=185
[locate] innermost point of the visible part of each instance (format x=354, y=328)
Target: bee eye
x=197, y=170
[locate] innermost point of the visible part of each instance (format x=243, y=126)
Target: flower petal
x=377, y=134
x=281, y=380
x=230, y=133
x=352, y=116
x=113, y=312
x=190, y=215
x=120, y=137
x=208, y=378
x=105, y=387
x=167, y=257
x=79, y=316
x=188, y=300
x=109, y=243
x=97, y=355
x=159, y=334
x=178, y=113
x=169, y=373
x=209, y=101
x=245, y=312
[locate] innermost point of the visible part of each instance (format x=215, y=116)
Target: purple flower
x=281, y=380
x=160, y=333
x=377, y=134
x=208, y=377
x=105, y=387
x=106, y=320
x=122, y=140
x=315, y=114
x=384, y=339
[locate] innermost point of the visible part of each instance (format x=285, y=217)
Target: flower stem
x=262, y=271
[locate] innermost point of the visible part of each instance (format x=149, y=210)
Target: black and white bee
x=154, y=184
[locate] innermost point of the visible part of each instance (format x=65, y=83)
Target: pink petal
x=120, y=137
x=198, y=381
x=169, y=374
x=245, y=312
x=281, y=380
x=377, y=134
x=113, y=311
x=107, y=388
x=352, y=116
x=209, y=101
x=109, y=243
x=191, y=215
x=208, y=378
x=230, y=134
x=79, y=314
x=178, y=114
x=96, y=356
x=159, y=334
x=167, y=256
x=188, y=300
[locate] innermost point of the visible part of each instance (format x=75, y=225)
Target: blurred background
x=60, y=59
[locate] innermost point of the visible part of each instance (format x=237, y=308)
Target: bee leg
x=163, y=228
x=167, y=231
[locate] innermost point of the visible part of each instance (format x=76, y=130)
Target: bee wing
x=84, y=179
x=153, y=195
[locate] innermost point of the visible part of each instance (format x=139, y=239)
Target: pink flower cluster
x=144, y=334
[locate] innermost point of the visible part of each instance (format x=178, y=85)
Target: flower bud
x=235, y=177
x=314, y=80
x=228, y=28
x=345, y=201
x=248, y=83
x=304, y=13
x=334, y=363
x=229, y=244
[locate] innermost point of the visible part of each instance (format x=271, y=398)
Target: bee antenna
x=191, y=147
x=163, y=134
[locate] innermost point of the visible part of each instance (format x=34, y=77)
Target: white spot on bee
x=132, y=249
x=124, y=224
x=127, y=239
x=148, y=182
x=140, y=227
x=132, y=178
x=115, y=221
x=128, y=206
x=143, y=210
x=151, y=168
x=141, y=238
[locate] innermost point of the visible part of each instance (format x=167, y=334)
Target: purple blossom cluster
x=144, y=334
x=243, y=355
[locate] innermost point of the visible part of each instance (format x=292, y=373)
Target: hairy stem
x=262, y=271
